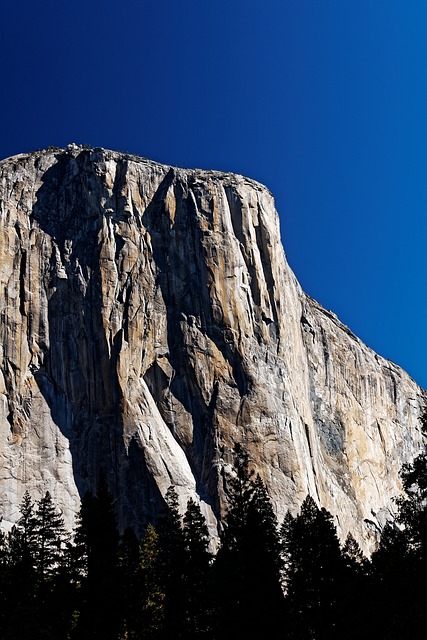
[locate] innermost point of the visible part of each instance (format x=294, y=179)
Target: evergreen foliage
x=96, y=555
x=151, y=596
x=171, y=566
x=295, y=582
x=197, y=572
x=33, y=570
x=355, y=601
x=50, y=539
x=392, y=587
x=314, y=572
x=400, y=563
x=412, y=507
x=246, y=579
x=129, y=571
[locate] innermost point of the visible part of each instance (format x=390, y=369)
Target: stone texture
x=149, y=321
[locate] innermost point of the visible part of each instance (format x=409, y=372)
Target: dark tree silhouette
x=36, y=577
x=247, y=587
x=314, y=573
x=412, y=506
x=171, y=566
x=50, y=537
x=392, y=588
x=355, y=615
x=23, y=545
x=96, y=553
x=400, y=563
x=130, y=577
x=151, y=610
x=354, y=558
x=170, y=586
x=197, y=572
x=54, y=593
x=142, y=606
x=22, y=601
x=5, y=581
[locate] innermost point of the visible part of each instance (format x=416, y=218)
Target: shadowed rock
x=149, y=321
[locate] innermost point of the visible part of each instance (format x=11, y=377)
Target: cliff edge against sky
x=149, y=321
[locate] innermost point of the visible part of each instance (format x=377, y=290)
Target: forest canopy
x=292, y=579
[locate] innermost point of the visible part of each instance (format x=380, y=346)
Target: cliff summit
x=149, y=321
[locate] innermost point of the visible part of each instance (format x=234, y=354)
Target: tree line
x=292, y=579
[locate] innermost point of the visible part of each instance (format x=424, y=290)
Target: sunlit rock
x=149, y=321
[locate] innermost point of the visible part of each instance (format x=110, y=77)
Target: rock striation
x=149, y=321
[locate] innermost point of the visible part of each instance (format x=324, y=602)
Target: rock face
x=149, y=321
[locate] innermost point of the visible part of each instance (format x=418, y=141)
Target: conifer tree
x=400, y=563
x=22, y=550
x=54, y=597
x=286, y=534
x=353, y=556
x=171, y=564
x=247, y=566
x=233, y=560
x=96, y=552
x=5, y=580
x=36, y=578
x=355, y=596
x=50, y=538
x=139, y=582
x=412, y=506
x=129, y=564
x=21, y=586
x=393, y=590
x=314, y=573
x=152, y=594
x=197, y=572
x=23, y=540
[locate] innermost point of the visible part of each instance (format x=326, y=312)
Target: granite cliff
x=149, y=321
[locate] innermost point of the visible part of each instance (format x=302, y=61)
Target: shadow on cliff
x=184, y=278
x=78, y=374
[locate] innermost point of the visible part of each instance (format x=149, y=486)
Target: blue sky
x=324, y=101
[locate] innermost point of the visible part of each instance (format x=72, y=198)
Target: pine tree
x=22, y=543
x=171, y=564
x=50, y=538
x=23, y=540
x=247, y=566
x=36, y=576
x=96, y=553
x=412, y=506
x=355, y=595
x=152, y=594
x=197, y=572
x=5, y=580
x=22, y=591
x=129, y=564
x=240, y=488
x=143, y=617
x=53, y=585
x=393, y=590
x=314, y=572
x=196, y=535
x=353, y=556
x=400, y=563
x=286, y=537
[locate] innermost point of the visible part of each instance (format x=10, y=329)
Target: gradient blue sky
x=324, y=101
